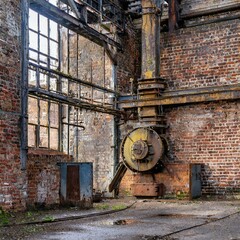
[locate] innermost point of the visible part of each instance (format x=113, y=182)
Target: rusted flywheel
x=142, y=150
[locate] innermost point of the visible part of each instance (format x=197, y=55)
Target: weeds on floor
x=118, y=207
x=102, y=206
x=48, y=219
x=4, y=217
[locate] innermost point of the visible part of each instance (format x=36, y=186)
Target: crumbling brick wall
x=12, y=179
x=43, y=173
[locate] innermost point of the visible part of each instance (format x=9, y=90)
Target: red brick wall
x=128, y=61
x=202, y=56
x=44, y=177
x=12, y=178
x=208, y=134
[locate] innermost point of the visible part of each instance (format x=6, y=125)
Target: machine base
x=147, y=189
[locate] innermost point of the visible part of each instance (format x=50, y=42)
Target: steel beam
x=55, y=14
x=58, y=97
x=24, y=83
x=73, y=79
x=173, y=15
x=210, y=94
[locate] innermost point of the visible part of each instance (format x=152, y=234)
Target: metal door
x=196, y=186
x=73, y=183
x=76, y=184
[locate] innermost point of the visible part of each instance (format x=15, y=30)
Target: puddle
x=176, y=215
x=125, y=222
x=118, y=222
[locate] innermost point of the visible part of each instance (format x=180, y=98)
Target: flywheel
x=142, y=150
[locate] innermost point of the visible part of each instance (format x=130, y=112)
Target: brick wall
x=202, y=56
x=12, y=178
x=208, y=134
x=95, y=143
x=128, y=61
x=43, y=175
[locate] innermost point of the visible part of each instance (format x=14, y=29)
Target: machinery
x=142, y=150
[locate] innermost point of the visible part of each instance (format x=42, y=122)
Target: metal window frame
x=58, y=96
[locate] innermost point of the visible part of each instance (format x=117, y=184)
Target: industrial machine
x=142, y=150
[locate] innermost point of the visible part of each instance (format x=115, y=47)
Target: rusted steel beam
x=202, y=9
x=54, y=13
x=61, y=98
x=173, y=15
x=210, y=94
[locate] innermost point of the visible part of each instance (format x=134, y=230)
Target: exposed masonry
x=208, y=134
x=13, y=181
x=202, y=56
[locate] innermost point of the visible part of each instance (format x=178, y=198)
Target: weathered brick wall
x=43, y=175
x=12, y=178
x=128, y=61
x=202, y=56
x=95, y=143
x=174, y=180
x=208, y=134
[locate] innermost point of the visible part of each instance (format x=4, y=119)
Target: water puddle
x=125, y=222
x=118, y=222
x=176, y=215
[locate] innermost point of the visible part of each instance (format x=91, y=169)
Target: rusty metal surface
x=210, y=94
x=142, y=150
x=73, y=188
x=173, y=15
x=151, y=86
x=117, y=177
x=146, y=189
x=150, y=40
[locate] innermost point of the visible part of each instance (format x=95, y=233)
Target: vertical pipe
x=60, y=106
x=24, y=83
x=150, y=40
x=115, y=127
x=48, y=81
x=150, y=85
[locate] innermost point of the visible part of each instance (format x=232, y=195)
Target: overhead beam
x=59, y=16
x=44, y=94
x=210, y=94
x=73, y=79
x=173, y=15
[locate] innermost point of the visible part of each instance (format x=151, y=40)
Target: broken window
x=66, y=74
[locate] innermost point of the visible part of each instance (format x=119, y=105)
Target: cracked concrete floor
x=152, y=219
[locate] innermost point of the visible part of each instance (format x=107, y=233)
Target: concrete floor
x=152, y=219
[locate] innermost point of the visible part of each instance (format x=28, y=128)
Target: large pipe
x=150, y=85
